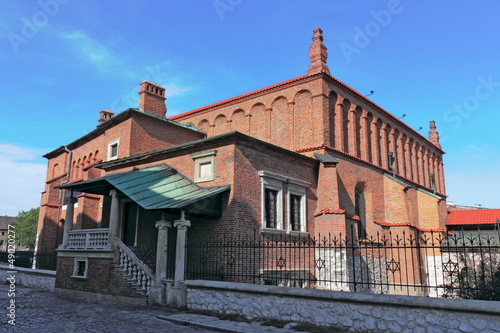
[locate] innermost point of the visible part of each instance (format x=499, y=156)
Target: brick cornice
x=252, y=94
x=325, y=147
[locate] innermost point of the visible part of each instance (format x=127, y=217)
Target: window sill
x=202, y=180
x=284, y=232
x=298, y=233
x=273, y=231
x=78, y=277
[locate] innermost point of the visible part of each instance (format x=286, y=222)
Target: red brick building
x=307, y=156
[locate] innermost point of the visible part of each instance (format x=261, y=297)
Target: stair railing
x=139, y=273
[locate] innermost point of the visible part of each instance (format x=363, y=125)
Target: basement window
x=286, y=278
x=80, y=268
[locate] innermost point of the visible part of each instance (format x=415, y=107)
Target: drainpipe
x=68, y=174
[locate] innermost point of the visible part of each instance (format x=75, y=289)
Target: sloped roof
x=293, y=81
x=154, y=187
x=473, y=217
x=116, y=120
x=5, y=221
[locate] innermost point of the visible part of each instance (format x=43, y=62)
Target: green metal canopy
x=158, y=187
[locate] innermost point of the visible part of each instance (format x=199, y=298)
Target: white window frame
x=75, y=268
x=275, y=185
x=204, y=158
x=299, y=191
x=110, y=145
x=277, y=182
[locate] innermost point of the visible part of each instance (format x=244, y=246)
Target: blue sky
x=62, y=61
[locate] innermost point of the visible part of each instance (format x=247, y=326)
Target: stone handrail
x=88, y=239
x=139, y=273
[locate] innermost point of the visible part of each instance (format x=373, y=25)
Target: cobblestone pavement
x=42, y=311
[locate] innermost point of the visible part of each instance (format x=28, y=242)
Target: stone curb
x=221, y=325
x=197, y=324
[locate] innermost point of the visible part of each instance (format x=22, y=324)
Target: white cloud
x=91, y=50
x=21, y=178
x=172, y=89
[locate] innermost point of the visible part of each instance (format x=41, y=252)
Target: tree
x=25, y=227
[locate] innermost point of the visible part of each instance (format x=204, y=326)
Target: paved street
x=39, y=311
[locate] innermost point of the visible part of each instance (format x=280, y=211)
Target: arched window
x=360, y=209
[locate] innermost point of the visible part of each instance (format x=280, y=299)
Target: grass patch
x=311, y=328
x=222, y=316
x=303, y=327
x=275, y=323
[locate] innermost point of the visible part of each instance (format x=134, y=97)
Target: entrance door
x=130, y=212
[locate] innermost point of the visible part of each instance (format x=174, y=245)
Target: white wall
x=356, y=311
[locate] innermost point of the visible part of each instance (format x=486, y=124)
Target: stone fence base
x=35, y=278
x=352, y=311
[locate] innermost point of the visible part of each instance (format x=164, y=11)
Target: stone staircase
x=133, y=270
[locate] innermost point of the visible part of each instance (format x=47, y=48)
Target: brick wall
x=317, y=109
x=101, y=278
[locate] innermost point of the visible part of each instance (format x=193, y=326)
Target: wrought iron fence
x=43, y=260
x=46, y=260
x=415, y=263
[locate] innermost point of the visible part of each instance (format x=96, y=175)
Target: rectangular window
x=80, y=268
x=295, y=212
x=205, y=170
x=271, y=208
x=274, y=187
x=113, y=149
x=296, y=208
x=286, y=278
x=204, y=165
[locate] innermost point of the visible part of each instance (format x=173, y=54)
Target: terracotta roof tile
x=473, y=216
x=407, y=224
x=87, y=195
x=352, y=217
x=330, y=211
x=74, y=181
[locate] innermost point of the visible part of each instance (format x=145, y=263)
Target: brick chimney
x=105, y=114
x=433, y=134
x=318, y=54
x=152, y=98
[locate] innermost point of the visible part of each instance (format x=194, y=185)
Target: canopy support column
x=114, y=218
x=177, y=296
x=157, y=292
x=68, y=221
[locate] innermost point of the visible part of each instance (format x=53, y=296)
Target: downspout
x=68, y=171
x=68, y=174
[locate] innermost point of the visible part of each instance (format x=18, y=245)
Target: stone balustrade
x=88, y=239
x=136, y=271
